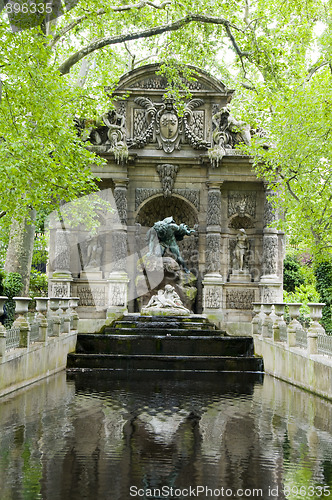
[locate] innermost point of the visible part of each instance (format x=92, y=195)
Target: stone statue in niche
x=93, y=254
x=241, y=250
x=164, y=235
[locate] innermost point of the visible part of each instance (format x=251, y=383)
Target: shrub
x=292, y=274
x=12, y=287
x=38, y=284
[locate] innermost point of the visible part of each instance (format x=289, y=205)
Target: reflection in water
x=106, y=436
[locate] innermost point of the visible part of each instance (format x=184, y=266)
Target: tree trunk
x=20, y=249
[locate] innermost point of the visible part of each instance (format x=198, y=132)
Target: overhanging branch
x=157, y=30
x=101, y=12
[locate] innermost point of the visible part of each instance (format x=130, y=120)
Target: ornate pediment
x=147, y=78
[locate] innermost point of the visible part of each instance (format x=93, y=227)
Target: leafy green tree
x=271, y=52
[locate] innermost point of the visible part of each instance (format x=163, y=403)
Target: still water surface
x=101, y=437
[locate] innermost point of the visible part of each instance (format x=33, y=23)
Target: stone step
x=164, y=362
x=192, y=325
x=137, y=343
x=193, y=322
x=162, y=331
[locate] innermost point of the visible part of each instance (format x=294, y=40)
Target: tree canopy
x=276, y=54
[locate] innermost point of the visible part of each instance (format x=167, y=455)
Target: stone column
x=212, y=282
x=270, y=282
x=62, y=277
x=118, y=277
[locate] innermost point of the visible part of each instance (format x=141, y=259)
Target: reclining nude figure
x=165, y=234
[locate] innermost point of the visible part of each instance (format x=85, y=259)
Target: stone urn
x=54, y=303
x=41, y=304
x=73, y=304
x=316, y=312
x=22, y=305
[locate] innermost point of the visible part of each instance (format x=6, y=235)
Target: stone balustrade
x=53, y=317
x=298, y=352
x=269, y=322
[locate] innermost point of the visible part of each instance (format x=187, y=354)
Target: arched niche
x=182, y=211
x=241, y=221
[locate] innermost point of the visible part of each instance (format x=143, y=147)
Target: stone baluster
x=256, y=319
x=21, y=310
x=54, y=307
x=267, y=322
x=315, y=328
x=279, y=324
x=3, y=332
x=74, y=316
x=64, y=305
x=41, y=308
x=294, y=325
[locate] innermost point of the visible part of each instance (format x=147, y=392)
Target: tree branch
x=315, y=68
x=158, y=30
x=101, y=12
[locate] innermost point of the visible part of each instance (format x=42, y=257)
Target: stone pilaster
x=120, y=197
x=270, y=282
x=118, y=278
x=213, y=230
x=213, y=282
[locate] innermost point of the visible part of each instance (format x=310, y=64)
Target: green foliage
x=292, y=274
x=275, y=54
x=12, y=287
x=38, y=284
x=40, y=253
x=323, y=273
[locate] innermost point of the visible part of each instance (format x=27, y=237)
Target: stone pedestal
x=117, y=294
x=212, y=297
x=271, y=291
x=91, y=275
x=238, y=276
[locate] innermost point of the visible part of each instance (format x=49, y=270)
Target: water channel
x=110, y=437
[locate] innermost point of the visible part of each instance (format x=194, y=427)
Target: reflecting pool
x=99, y=436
